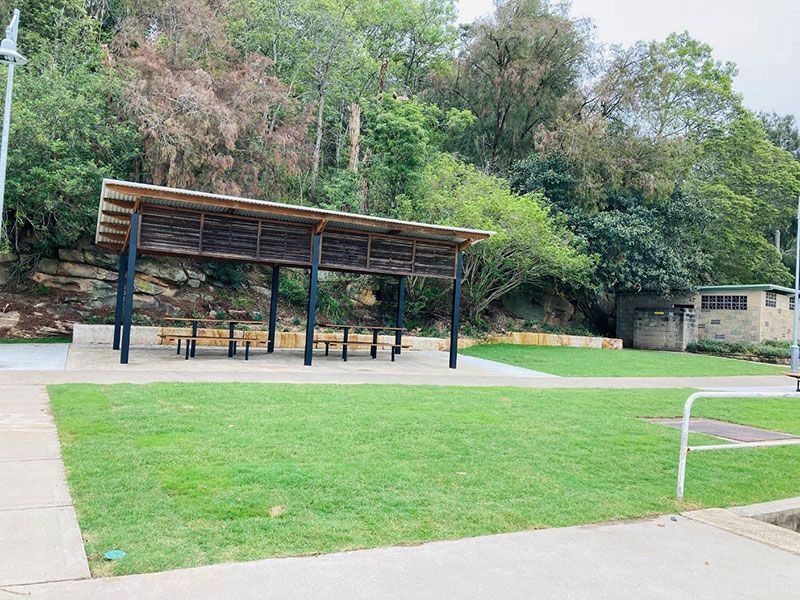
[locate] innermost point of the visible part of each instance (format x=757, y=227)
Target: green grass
x=61, y=339
x=593, y=362
x=186, y=474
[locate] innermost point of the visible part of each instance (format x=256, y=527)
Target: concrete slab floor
x=100, y=364
x=658, y=558
x=40, y=357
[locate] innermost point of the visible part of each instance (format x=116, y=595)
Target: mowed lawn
x=593, y=362
x=189, y=474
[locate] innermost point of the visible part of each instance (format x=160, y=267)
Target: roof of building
x=766, y=287
x=128, y=191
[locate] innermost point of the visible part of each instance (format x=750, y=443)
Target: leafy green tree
x=529, y=245
x=65, y=133
x=751, y=187
x=782, y=131
x=512, y=71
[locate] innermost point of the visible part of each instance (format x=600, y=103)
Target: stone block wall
x=664, y=328
x=628, y=302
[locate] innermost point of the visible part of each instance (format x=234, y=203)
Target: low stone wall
x=149, y=336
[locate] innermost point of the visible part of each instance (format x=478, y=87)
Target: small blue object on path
x=114, y=554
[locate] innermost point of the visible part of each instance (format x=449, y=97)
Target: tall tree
x=513, y=68
x=782, y=131
x=209, y=117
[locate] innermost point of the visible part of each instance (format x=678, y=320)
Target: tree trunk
x=317, y=143
x=354, y=127
x=382, y=77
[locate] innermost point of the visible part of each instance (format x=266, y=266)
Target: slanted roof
x=766, y=287
x=202, y=225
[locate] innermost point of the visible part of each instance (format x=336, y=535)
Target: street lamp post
x=795, y=355
x=10, y=56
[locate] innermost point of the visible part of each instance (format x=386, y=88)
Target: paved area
x=725, y=430
x=99, y=364
x=40, y=357
x=39, y=535
x=658, y=558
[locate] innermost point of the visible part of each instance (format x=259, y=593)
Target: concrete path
x=39, y=357
x=658, y=558
x=39, y=535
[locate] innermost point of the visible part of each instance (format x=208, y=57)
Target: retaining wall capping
x=149, y=336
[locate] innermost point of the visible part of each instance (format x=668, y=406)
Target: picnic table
x=191, y=340
x=373, y=351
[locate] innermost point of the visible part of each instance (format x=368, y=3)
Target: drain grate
x=724, y=430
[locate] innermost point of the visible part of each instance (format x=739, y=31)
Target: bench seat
x=191, y=342
x=329, y=343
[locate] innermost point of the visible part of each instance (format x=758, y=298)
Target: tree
x=782, y=132
x=751, y=188
x=208, y=118
x=512, y=70
x=65, y=132
x=529, y=245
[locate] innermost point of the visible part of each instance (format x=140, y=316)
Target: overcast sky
x=762, y=38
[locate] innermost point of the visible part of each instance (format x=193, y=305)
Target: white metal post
x=687, y=411
x=795, y=354
x=11, y=34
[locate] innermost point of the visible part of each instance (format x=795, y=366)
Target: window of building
x=772, y=299
x=791, y=302
x=723, y=302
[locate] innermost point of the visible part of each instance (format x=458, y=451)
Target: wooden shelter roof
x=208, y=226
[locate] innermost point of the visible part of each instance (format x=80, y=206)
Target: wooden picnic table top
x=371, y=327
x=240, y=321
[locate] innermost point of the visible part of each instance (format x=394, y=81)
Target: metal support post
x=312, y=299
x=133, y=238
x=455, y=315
x=273, y=308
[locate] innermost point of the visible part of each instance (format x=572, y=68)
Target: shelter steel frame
x=686, y=448
x=136, y=219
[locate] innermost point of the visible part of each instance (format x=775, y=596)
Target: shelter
x=137, y=219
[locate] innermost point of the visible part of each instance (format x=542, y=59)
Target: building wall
x=777, y=322
x=628, y=302
x=731, y=325
x=665, y=328
x=753, y=325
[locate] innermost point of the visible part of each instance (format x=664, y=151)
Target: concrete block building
x=732, y=313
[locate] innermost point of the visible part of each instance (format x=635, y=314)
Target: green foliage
x=340, y=191
x=230, y=274
x=750, y=187
x=220, y=315
x=529, y=245
x=766, y=349
x=293, y=289
x=65, y=134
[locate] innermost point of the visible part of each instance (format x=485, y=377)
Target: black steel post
x=133, y=238
x=123, y=262
x=454, y=319
x=312, y=299
x=273, y=308
x=401, y=300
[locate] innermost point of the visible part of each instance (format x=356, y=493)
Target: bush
x=230, y=274
x=769, y=348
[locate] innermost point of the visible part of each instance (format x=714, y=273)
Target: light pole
x=10, y=56
x=795, y=349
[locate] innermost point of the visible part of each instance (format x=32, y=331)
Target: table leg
x=230, y=344
x=247, y=350
x=373, y=351
x=194, y=334
x=344, y=346
x=188, y=348
x=393, y=351
x=179, y=346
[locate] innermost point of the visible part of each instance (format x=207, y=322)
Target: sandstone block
x=48, y=265
x=70, y=255
x=73, y=269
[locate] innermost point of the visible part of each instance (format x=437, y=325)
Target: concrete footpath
x=658, y=558
x=39, y=535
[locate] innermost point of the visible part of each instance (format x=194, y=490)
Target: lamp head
x=9, y=54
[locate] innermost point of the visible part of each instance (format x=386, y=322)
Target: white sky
x=762, y=38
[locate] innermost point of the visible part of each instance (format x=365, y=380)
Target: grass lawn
x=189, y=474
x=593, y=362
x=61, y=339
